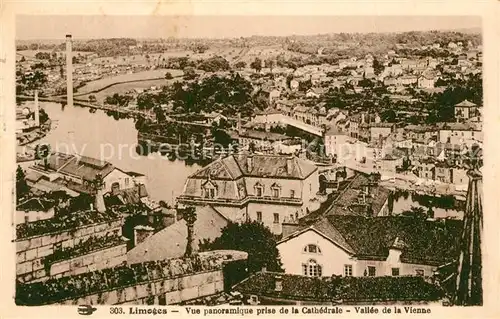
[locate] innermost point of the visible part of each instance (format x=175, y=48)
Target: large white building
x=265, y=188
x=377, y=246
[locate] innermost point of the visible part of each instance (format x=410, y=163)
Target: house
x=171, y=241
x=379, y=131
x=77, y=172
x=347, y=245
x=261, y=140
x=407, y=80
x=35, y=208
x=466, y=110
x=264, y=188
x=426, y=169
x=268, y=116
x=460, y=133
x=426, y=81
x=335, y=140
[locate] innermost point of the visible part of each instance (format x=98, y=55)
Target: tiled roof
x=465, y=103
x=342, y=289
x=171, y=241
x=82, y=166
x=348, y=202
x=235, y=166
x=425, y=242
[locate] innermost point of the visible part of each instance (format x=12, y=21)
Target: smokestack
x=37, y=110
x=69, y=70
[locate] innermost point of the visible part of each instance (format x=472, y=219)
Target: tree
x=377, y=66
x=388, y=116
x=92, y=98
x=168, y=76
x=240, y=65
x=256, y=64
x=160, y=114
x=221, y=137
x=189, y=215
x=253, y=238
x=22, y=187
x=189, y=73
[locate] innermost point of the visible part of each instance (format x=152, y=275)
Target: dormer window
x=259, y=190
x=209, y=190
x=276, y=190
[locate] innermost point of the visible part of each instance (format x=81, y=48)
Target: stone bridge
x=301, y=125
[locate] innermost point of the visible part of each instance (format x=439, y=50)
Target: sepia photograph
x=248, y=161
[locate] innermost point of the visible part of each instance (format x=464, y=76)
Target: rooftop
x=235, y=166
x=341, y=289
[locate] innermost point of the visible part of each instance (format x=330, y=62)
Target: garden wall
x=162, y=292
x=100, y=259
x=31, y=251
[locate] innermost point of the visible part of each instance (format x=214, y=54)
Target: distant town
x=315, y=170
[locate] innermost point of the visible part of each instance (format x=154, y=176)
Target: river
x=98, y=135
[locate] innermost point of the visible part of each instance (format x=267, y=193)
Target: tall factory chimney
x=37, y=110
x=69, y=70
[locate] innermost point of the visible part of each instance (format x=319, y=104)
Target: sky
x=85, y=27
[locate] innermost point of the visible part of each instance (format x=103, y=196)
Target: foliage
x=228, y=94
x=72, y=287
x=22, y=188
x=87, y=246
x=63, y=222
x=168, y=76
x=214, y=64
x=240, y=65
x=189, y=73
x=253, y=238
x=117, y=99
x=256, y=64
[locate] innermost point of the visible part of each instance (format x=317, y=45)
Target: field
x=144, y=75
x=123, y=88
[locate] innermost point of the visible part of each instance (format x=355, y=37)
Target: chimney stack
x=37, y=110
x=69, y=70
x=249, y=163
x=278, y=283
x=289, y=165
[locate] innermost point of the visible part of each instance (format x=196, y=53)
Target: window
x=371, y=271
x=258, y=191
x=348, y=270
x=419, y=272
x=311, y=269
x=259, y=216
x=276, y=218
x=395, y=271
x=276, y=192
x=209, y=192
x=313, y=249
x=292, y=193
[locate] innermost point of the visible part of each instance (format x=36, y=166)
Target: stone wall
x=165, y=291
x=101, y=259
x=31, y=251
